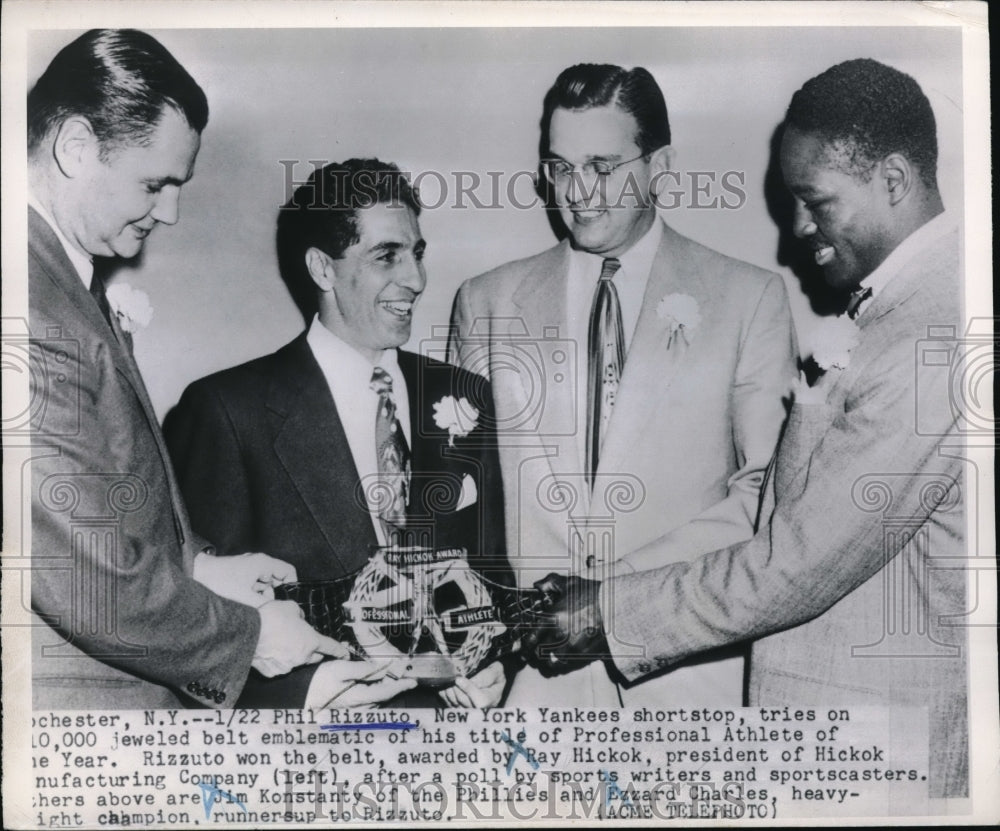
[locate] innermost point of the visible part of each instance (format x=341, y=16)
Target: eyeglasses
x=558, y=170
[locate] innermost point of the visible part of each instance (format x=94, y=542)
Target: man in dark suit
x=121, y=616
x=285, y=452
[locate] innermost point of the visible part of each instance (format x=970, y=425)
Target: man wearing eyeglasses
x=638, y=378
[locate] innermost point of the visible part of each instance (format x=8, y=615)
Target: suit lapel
x=420, y=398
x=311, y=444
x=429, y=457
x=651, y=365
x=541, y=303
x=56, y=264
x=808, y=423
x=47, y=248
x=62, y=273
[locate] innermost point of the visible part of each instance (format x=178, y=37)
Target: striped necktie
x=393, y=457
x=606, y=349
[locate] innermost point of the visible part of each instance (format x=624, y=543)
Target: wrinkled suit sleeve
x=819, y=545
x=125, y=599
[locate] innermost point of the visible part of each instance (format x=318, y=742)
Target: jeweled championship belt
x=425, y=610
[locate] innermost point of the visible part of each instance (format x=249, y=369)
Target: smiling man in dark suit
x=338, y=440
x=118, y=584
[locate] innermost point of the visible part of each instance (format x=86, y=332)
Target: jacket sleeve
x=108, y=548
x=820, y=543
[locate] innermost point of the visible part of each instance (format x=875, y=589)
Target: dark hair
x=633, y=91
x=873, y=110
x=322, y=214
x=119, y=80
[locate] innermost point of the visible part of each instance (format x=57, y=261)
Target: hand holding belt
x=548, y=623
x=322, y=602
x=571, y=633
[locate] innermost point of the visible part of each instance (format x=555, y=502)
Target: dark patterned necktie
x=393, y=456
x=606, y=348
x=857, y=298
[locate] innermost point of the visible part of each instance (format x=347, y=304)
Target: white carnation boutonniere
x=458, y=417
x=682, y=316
x=131, y=307
x=835, y=339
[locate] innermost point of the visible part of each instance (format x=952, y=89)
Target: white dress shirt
x=925, y=236
x=348, y=374
x=83, y=264
x=630, y=282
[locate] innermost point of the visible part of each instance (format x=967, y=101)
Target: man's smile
x=824, y=254
x=398, y=308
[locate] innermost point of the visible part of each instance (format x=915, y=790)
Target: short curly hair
x=323, y=214
x=871, y=110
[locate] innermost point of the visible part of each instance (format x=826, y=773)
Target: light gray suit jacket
x=856, y=584
x=693, y=429
x=119, y=621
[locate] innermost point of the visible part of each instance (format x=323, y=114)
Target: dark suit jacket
x=264, y=464
x=125, y=625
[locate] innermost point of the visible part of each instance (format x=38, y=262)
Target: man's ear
x=662, y=160
x=75, y=146
x=321, y=269
x=899, y=177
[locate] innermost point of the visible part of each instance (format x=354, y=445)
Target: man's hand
x=286, y=640
x=480, y=690
x=248, y=578
x=573, y=633
x=354, y=684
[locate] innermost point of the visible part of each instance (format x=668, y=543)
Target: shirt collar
x=83, y=264
x=637, y=262
x=339, y=360
x=922, y=238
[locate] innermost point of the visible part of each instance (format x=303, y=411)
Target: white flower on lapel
x=835, y=339
x=457, y=417
x=131, y=306
x=682, y=316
